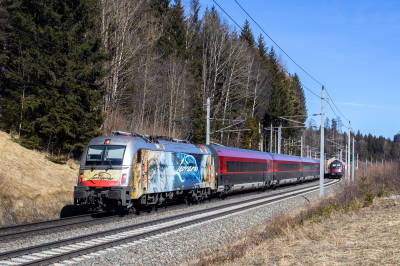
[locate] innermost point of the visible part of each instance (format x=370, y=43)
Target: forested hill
x=73, y=70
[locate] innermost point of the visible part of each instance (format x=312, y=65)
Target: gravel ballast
x=180, y=245
x=187, y=243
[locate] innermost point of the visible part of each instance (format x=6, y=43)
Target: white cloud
x=367, y=105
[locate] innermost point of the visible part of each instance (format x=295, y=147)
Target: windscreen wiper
x=109, y=166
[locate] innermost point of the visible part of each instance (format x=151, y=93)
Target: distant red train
x=336, y=169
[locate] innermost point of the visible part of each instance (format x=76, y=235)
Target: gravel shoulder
x=132, y=219
x=368, y=237
x=185, y=244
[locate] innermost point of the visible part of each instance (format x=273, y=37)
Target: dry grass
x=340, y=229
x=32, y=188
x=368, y=237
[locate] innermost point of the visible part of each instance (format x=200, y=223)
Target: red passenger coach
x=241, y=169
x=287, y=168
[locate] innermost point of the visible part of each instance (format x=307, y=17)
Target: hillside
x=32, y=188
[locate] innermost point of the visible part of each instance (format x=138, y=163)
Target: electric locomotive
x=129, y=170
x=336, y=169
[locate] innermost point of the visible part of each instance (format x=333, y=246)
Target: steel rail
x=50, y=245
x=13, y=235
x=22, y=226
x=112, y=243
x=6, y=236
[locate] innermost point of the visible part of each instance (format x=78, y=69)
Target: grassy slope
x=357, y=226
x=368, y=237
x=32, y=188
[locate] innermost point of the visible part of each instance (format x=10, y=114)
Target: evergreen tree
x=247, y=34
x=173, y=38
x=302, y=98
x=51, y=98
x=262, y=50
x=159, y=8
x=198, y=115
x=284, y=100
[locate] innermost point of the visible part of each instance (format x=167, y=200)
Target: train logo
x=101, y=176
x=188, y=164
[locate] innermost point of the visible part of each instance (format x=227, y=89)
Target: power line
x=336, y=106
x=270, y=38
x=49, y=42
x=288, y=56
x=228, y=15
x=303, y=85
x=277, y=44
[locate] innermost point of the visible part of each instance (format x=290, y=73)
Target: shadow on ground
x=74, y=210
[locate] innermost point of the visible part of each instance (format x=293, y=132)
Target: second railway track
x=26, y=230
x=81, y=245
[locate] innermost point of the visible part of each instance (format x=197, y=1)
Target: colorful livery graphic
x=126, y=171
x=168, y=171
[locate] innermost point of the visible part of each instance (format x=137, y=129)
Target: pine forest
x=74, y=70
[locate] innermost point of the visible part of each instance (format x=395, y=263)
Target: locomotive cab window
x=105, y=155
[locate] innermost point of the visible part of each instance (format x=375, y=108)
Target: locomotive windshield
x=336, y=165
x=105, y=155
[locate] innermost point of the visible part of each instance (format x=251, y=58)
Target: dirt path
x=369, y=237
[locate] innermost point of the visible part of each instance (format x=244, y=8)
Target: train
x=128, y=171
x=336, y=169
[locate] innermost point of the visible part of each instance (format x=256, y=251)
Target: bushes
x=376, y=182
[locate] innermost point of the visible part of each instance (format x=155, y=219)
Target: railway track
x=14, y=232
x=133, y=234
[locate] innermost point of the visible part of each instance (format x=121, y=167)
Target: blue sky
x=351, y=47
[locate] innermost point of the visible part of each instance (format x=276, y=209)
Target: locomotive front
x=124, y=172
x=336, y=169
x=104, y=173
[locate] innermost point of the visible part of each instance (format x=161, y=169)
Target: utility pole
x=301, y=146
x=321, y=158
x=345, y=159
x=348, y=167
x=279, y=138
x=352, y=168
x=270, y=144
x=262, y=139
x=275, y=142
x=357, y=161
x=208, y=122
x=308, y=151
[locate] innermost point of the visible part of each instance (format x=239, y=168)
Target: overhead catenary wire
x=226, y=13
x=290, y=58
x=278, y=45
x=335, y=105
